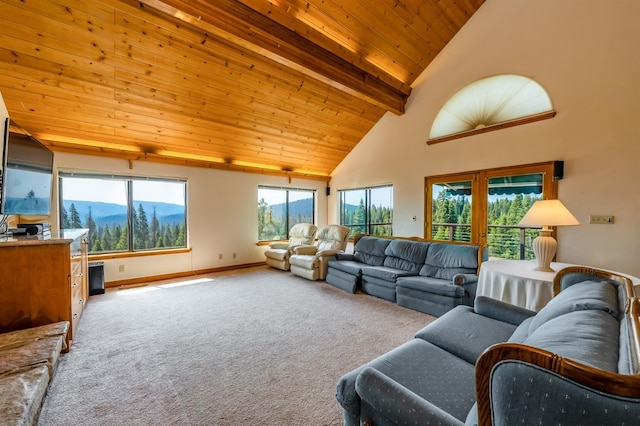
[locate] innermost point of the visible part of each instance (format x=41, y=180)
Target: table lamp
x=546, y=213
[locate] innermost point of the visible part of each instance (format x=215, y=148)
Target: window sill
x=106, y=256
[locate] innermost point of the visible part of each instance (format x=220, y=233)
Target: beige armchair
x=278, y=252
x=311, y=261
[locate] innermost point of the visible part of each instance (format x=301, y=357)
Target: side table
x=515, y=282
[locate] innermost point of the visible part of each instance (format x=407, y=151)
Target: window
x=485, y=207
x=123, y=213
x=367, y=210
x=281, y=208
x=490, y=104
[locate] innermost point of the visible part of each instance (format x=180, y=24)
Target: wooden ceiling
x=278, y=87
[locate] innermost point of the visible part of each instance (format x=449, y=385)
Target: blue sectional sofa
x=424, y=276
x=574, y=362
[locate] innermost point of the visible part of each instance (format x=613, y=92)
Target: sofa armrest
x=328, y=253
x=561, y=387
x=279, y=245
x=501, y=311
x=345, y=256
x=305, y=250
x=386, y=395
x=460, y=279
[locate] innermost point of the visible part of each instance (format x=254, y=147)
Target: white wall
x=585, y=54
x=221, y=213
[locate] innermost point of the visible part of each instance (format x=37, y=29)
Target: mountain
x=303, y=208
x=111, y=213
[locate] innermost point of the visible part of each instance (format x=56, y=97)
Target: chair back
x=302, y=234
x=332, y=237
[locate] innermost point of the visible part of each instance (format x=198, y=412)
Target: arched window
x=491, y=103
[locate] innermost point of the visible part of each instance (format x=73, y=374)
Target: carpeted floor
x=250, y=347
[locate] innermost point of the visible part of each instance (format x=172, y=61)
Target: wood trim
x=472, y=177
x=599, y=380
x=479, y=190
x=607, y=275
x=122, y=255
x=493, y=127
x=244, y=26
x=146, y=280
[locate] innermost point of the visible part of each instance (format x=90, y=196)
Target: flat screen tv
x=27, y=176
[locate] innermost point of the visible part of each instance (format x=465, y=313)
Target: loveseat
x=28, y=359
x=574, y=362
x=424, y=276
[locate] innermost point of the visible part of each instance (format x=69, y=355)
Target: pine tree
x=123, y=243
x=74, y=218
x=91, y=225
x=107, y=239
x=155, y=229
x=65, y=219
x=263, y=209
x=142, y=230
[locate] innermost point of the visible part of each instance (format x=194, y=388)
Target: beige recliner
x=278, y=252
x=311, y=261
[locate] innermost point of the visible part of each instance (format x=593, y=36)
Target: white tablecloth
x=515, y=282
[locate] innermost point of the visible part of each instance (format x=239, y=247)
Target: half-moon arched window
x=491, y=103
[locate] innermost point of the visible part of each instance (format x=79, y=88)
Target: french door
x=484, y=207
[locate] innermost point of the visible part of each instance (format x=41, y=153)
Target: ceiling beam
x=243, y=26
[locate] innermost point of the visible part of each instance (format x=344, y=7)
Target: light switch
x=601, y=220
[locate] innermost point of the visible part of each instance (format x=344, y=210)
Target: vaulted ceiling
x=277, y=87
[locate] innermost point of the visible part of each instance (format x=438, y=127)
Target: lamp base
x=544, y=247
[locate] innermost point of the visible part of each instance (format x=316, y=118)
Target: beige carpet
x=251, y=347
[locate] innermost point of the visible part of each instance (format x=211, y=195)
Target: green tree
x=154, y=231
x=122, y=243
x=263, y=209
x=108, y=243
x=141, y=229
x=181, y=240
x=66, y=224
x=91, y=225
x=74, y=217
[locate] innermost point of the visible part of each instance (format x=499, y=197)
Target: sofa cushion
x=406, y=255
x=304, y=261
x=464, y=333
x=384, y=272
x=431, y=285
x=589, y=336
x=522, y=332
x=370, y=250
x=352, y=267
x=588, y=295
x=446, y=260
x=450, y=386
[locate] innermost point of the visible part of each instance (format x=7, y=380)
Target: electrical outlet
x=234, y=255
x=601, y=220
x=220, y=256
x=120, y=268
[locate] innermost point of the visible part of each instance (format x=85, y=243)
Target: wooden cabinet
x=43, y=280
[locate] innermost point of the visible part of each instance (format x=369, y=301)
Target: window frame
x=129, y=181
x=367, y=225
x=287, y=190
x=480, y=188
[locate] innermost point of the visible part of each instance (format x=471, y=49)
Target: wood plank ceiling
x=278, y=87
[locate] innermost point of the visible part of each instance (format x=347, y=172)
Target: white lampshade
x=547, y=213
